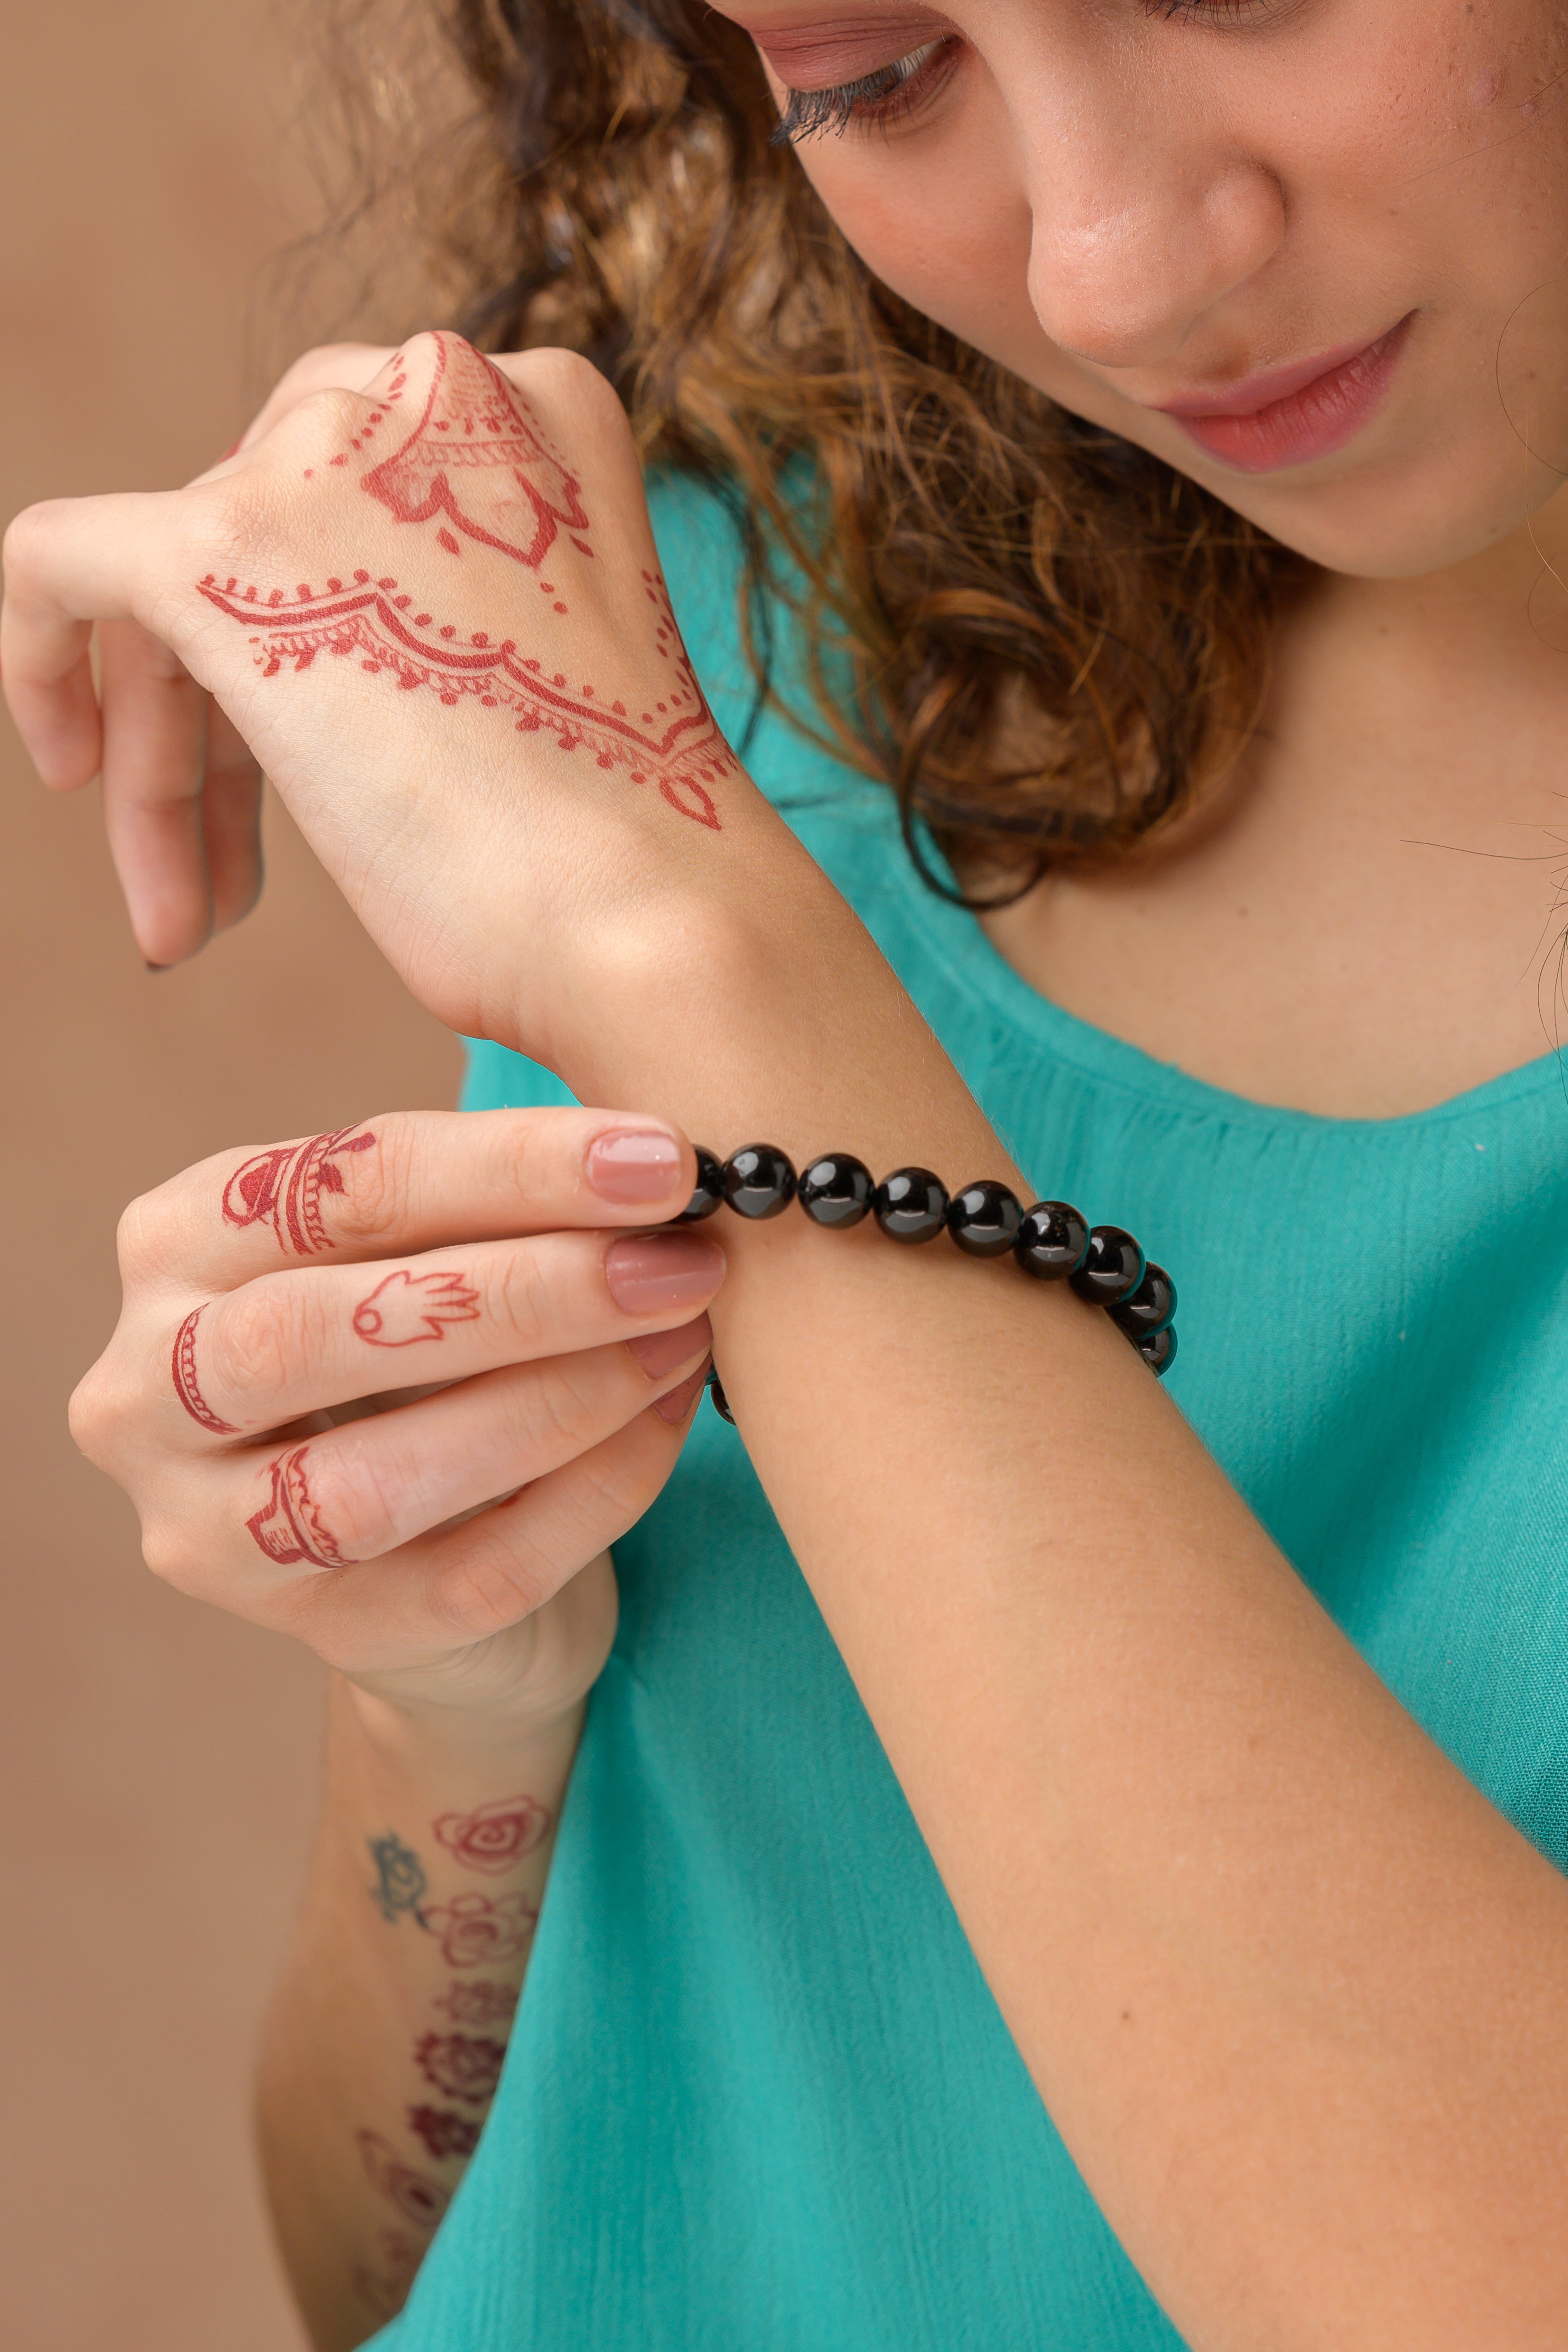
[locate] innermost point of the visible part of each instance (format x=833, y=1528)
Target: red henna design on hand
x=407, y=1308
x=675, y=744
x=290, y=1526
x=186, y=1386
x=446, y=2133
x=480, y=1931
x=463, y=2065
x=479, y=2005
x=478, y=456
x=283, y=1188
x=495, y=1835
x=416, y=2197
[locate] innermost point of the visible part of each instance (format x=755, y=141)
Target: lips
x=1292, y=414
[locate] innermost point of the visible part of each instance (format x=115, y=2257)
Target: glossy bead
x=709, y=1193
x=1148, y=1308
x=1112, y=1268
x=1052, y=1240
x=983, y=1219
x=759, y=1180
x=836, y=1190
x=715, y=1388
x=910, y=1205
x=1158, y=1351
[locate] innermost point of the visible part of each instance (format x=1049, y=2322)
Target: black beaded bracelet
x=1101, y=1263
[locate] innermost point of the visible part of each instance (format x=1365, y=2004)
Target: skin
x=1113, y=1720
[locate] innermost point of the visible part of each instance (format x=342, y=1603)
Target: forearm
x=1286, y=1981
x=384, y=2039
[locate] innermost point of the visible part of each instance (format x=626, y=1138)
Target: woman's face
x=1314, y=252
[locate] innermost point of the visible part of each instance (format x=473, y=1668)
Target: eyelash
x=874, y=98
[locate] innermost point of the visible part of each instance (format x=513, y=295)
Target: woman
x=1041, y=1867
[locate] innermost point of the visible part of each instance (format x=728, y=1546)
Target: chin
x=1402, y=517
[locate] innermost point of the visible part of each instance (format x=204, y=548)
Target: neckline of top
x=955, y=938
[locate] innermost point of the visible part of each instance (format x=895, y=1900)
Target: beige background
x=158, y=1759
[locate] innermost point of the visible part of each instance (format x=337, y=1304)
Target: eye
x=873, y=99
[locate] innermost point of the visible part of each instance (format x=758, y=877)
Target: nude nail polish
x=659, y=1352
x=649, y=1274
x=633, y=1164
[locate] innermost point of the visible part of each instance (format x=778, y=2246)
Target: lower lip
x=1320, y=418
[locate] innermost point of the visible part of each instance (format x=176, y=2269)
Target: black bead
x=1112, y=1268
x=759, y=1180
x=836, y=1190
x=709, y=1193
x=983, y=1219
x=910, y=1205
x=1158, y=1351
x=1148, y=1308
x=1052, y=1240
x=715, y=1388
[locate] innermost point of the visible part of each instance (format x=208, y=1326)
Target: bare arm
x=386, y=2034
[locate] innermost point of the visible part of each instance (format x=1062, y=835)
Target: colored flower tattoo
x=494, y=1836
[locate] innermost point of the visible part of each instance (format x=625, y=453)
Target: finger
x=290, y=1344
x=66, y=565
x=409, y=1181
x=466, y=1583
x=231, y=820
x=330, y=367
x=362, y=1491
x=154, y=766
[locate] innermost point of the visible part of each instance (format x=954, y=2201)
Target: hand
x=347, y=1408
x=431, y=610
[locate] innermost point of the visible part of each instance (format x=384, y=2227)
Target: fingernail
x=659, y=1352
x=647, y=1274
x=678, y=1402
x=633, y=1164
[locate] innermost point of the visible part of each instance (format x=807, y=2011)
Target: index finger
x=404, y=1182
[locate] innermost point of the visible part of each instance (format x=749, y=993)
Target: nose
x=1136, y=234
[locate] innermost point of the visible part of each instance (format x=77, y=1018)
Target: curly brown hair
x=1043, y=639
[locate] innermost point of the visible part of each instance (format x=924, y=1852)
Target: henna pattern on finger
x=445, y=2133
x=283, y=1188
x=417, y=2198
x=676, y=744
x=478, y=458
x=481, y=2003
x=494, y=1836
x=479, y=1931
x=290, y=1526
x=407, y=1308
x=400, y=1880
x=463, y=2065
x=186, y=1386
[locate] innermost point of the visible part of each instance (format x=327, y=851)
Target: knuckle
x=142, y=1237
x=555, y=1414
x=374, y=1205
x=171, y=1554
x=525, y=1303
x=102, y=1402
x=27, y=536
x=262, y=1333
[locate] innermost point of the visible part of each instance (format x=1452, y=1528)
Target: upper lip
x=1271, y=384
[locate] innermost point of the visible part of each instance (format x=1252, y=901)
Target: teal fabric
x=758, y=2098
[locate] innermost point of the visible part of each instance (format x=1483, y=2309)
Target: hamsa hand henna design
x=475, y=466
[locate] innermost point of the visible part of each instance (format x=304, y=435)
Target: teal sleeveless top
x=758, y=2097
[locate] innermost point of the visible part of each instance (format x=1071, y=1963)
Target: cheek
x=954, y=242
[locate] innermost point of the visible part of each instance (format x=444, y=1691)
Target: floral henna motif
x=417, y=2198
x=186, y=1386
x=462, y=2065
x=283, y=1188
x=407, y=1308
x=496, y=1835
x=387, y=2291
x=290, y=1526
x=476, y=458
x=480, y=1931
x=675, y=744
x=445, y=2133
x=400, y=1879
x=479, y=2005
